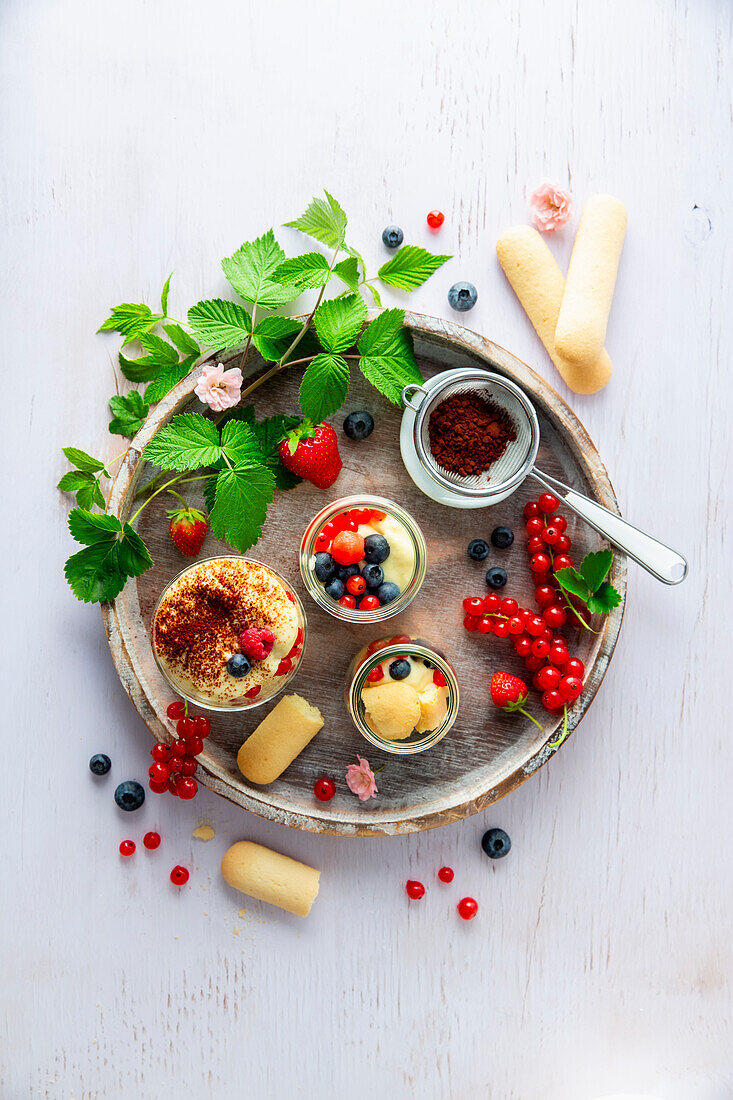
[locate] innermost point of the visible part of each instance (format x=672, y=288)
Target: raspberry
x=256, y=643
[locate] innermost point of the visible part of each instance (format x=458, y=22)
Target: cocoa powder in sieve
x=468, y=433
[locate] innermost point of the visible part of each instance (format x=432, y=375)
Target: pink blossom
x=220, y=389
x=551, y=206
x=360, y=779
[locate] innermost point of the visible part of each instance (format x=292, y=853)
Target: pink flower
x=220, y=389
x=360, y=779
x=551, y=206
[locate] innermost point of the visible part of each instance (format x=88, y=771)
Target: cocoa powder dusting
x=468, y=433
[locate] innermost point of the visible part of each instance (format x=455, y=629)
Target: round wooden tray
x=486, y=754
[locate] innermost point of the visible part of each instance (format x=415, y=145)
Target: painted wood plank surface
x=146, y=137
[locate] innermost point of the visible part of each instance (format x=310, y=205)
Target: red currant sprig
x=175, y=765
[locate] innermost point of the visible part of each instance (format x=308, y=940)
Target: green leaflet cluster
x=589, y=584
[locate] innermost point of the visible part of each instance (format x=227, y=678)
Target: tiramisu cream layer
x=200, y=619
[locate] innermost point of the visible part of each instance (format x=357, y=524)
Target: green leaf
x=387, y=359
x=410, y=267
x=167, y=378
x=573, y=581
x=129, y=414
x=219, y=323
x=594, y=568
x=91, y=527
x=375, y=294
x=132, y=319
x=273, y=336
x=82, y=460
x=133, y=554
x=94, y=573
x=187, y=442
x=239, y=444
x=139, y=370
x=163, y=353
x=269, y=433
x=75, y=479
x=90, y=495
x=240, y=504
x=338, y=322
x=324, y=386
x=250, y=272
x=324, y=220
x=604, y=599
x=185, y=343
x=305, y=272
x=164, y=295
x=348, y=271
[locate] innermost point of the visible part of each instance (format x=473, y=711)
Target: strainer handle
x=661, y=561
x=407, y=392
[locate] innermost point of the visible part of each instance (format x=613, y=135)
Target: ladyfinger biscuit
x=271, y=877
x=538, y=282
x=278, y=739
x=586, y=303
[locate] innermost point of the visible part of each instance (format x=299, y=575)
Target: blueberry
x=496, y=843
x=427, y=663
x=496, y=577
x=376, y=549
x=373, y=575
x=387, y=592
x=393, y=236
x=130, y=795
x=345, y=571
x=335, y=588
x=325, y=567
x=100, y=764
x=238, y=665
x=478, y=549
x=502, y=537
x=400, y=669
x=462, y=296
x=359, y=425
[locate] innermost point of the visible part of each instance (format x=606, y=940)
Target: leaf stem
x=178, y=479
x=249, y=338
x=563, y=732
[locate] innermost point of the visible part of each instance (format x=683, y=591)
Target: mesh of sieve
x=517, y=460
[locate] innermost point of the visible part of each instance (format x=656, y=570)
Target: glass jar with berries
x=363, y=559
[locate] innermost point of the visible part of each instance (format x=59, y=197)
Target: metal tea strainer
x=516, y=464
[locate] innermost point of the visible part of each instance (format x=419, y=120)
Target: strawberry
x=312, y=452
x=509, y=693
x=187, y=529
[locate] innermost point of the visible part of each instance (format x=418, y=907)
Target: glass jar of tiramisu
x=402, y=693
x=228, y=633
x=363, y=559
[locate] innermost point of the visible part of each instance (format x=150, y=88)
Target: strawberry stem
x=173, y=493
x=526, y=714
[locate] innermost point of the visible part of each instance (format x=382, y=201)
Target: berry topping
x=400, y=669
x=376, y=675
x=502, y=537
x=467, y=908
x=496, y=577
x=127, y=848
x=439, y=679
x=284, y=667
x=324, y=789
x=347, y=547
x=462, y=297
x=387, y=592
x=348, y=601
x=373, y=575
x=324, y=567
x=415, y=889
x=335, y=588
x=151, y=841
x=312, y=453
x=478, y=550
x=238, y=665
x=496, y=843
x=376, y=549
x=256, y=643
x=129, y=795
x=179, y=876
x=100, y=764
x=435, y=219
x=356, y=585
x=392, y=236
x=369, y=603
x=253, y=692
x=359, y=425
x=176, y=710
x=445, y=874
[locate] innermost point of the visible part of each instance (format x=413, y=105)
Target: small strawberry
x=187, y=528
x=509, y=693
x=312, y=452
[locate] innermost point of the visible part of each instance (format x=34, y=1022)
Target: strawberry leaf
x=594, y=568
x=82, y=460
x=572, y=581
x=240, y=504
x=604, y=599
x=130, y=412
x=187, y=442
x=94, y=573
x=324, y=386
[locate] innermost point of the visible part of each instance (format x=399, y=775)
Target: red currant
x=558, y=656
x=551, y=536
x=535, y=545
x=563, y=544
x=188, y=767
x=509, y=607
x=544, y=595
x=369, y=603
x=435, y=219
x=203, y=725
x=174, y=763
x=158, y=788
x=185, y=727
x=548, y=502
x=548, y=678
x=516, y=625
x=356, y=585
x=523, y=646
x=176, y=710
x=127, y=848
x=492, y=605
x=179, y=747
x=348, y=601
x=555, y=616
x=376, y=675
x=473, y=605
x=439, y=679
x=470, y=623
x=534, y=526
x=570, y=688
x=541, y=579
x=159, y=773
x=540, y=647
x=467, y=908
x=324, y=789
x=535, y=626
x=161, y=752
x=151, y=841
x=414, y=889
x=484, y=625
x=525, y=614
x=251, y=694
x=533, y=663
x=552, y=700
x=172, y=786
x=501, y=629
x=445, y=874
x=558, y=522
x=562, y=561
x=531, y=509
x=194, y=745
x=284, y=667
x=574, y=667
x=186, y=787
x=179, y=876
x=540, y=563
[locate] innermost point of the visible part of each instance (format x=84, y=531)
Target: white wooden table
x=145, y=137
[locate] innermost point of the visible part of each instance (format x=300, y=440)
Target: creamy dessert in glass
x=363, y=559
x=228, y=633
x=402, y=694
